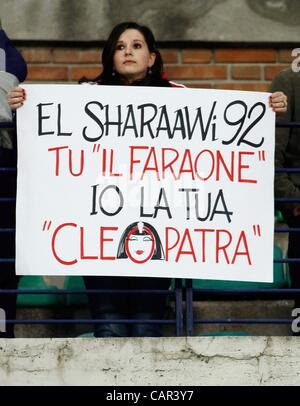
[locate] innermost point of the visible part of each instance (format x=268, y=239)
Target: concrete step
x=51, y=330
x=266, y=309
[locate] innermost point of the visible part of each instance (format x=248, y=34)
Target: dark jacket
x=287, y=150
x=11, y=60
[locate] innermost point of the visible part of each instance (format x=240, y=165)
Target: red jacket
x=173, y=84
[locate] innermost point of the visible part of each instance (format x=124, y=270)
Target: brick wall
x=220, y=68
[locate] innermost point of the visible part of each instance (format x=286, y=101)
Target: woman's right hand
x=16, y=97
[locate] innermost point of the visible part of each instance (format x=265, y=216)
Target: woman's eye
x=132, y=239
x=119, y=47
x=147, y=239
x=137, y=46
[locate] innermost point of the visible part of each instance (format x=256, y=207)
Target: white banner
x=158, y=182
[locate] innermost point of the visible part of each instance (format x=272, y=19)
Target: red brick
x=169, y=55
x=257, y=86
x=199, y=55
x=65, y=55
x=36, y=55
x=197, y=72
x=91, y=56
x=90, y=72
x=47, y=73
x=285, y=55
x=245, y=55
x=245, y=72
x=272, y=70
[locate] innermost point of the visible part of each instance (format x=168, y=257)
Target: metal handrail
x=7, y=124
x=243, y=321
x=91, y=321
x=59, y=291
x=190, y=291
x=288, y=124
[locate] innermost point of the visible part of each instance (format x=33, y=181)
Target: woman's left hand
x=278, y=102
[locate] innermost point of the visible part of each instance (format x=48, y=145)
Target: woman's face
x=140, y=247
x=132, y=57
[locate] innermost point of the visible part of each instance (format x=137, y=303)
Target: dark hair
x=109, y=77
x=158, y=250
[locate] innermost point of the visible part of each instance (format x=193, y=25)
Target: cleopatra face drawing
x=140, y=243
x=139, y=247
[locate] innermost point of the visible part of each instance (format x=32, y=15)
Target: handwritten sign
x=157, y=182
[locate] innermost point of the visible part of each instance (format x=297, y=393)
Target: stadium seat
x=281, y=279
x=75, y=283
x=87, y=335
x=226, y=333
x=278, y=217
x=40, y=299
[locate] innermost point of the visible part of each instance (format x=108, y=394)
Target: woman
x=130, y=58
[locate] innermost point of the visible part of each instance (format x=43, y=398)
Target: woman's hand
x=278, y=102
x=16, y=97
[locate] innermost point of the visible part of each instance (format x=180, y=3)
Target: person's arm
x=16, y=97
x=284, y=187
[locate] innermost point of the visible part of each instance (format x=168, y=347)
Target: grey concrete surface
x=171, y=20
x=150, y=361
